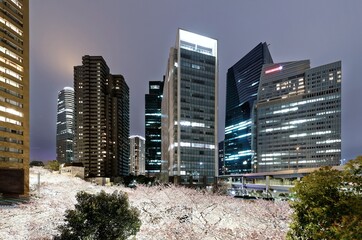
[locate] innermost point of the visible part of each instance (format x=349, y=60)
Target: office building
x=65, y=125
x=241, y=94
x=189, y=110
x=298, y=116
x=153, y=128
x=14, y=98
x=221, y=158
x=101, y=119
x=137, y=155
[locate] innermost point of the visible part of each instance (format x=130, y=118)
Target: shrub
x=101, y=216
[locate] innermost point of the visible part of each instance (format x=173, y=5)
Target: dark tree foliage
x=36, y=163
x=53, y=165
x=101, y=216
x=328, y=204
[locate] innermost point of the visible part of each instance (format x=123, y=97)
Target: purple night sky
x=134, y=37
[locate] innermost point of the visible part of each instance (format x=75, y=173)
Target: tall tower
x=65, y=125
x=298, y=116
x=153, y=128
x=189, y=110
x=241, y=93
x=101, y=119
x=137, y=155
x=14, y=98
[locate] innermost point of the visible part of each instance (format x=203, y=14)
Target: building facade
x=298, y=116
x=137, y=156
x=65, y=125
x=221, y=159
x=14, y=98
x=241, y=94
x=101, y=119
x=189, y=110
x=153, y=102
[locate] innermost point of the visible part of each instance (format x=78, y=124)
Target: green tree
x=53, y=165
x=328, y=204
x=101, y=216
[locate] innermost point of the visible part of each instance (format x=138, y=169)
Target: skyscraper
x=241, y=94
x=65, y=125
x=153, y=128
x=221, y=158
x=101, y=119
x=298, y=116
x=137, y=155
x=189, y=110
x=14, y=98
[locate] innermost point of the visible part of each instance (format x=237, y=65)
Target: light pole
x=297, y=148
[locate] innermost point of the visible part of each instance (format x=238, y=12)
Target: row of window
x=11, y=159
x=10, y=149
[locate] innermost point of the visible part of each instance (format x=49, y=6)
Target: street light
x=297, y=148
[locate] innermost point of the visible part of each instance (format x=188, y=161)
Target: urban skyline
x=327, y=44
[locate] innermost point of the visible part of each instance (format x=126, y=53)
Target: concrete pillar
x=267, y=183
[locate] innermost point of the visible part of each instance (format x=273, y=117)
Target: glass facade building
x=65, y=125
x=241, y=94
x=298, y=116
x=189, y=110
x=153, y=102
x=101, y=119
x=14, y=97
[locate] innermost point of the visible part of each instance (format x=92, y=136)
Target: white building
x=137, y=155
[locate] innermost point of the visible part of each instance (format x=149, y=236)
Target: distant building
x=153, y=128
x=101, y=119
x=298, y=116
x=14, y=98
x=221, y=158
x=189, y=110
x=137, y=155
x=75, y=169
x=241, y=93
x=65, y=125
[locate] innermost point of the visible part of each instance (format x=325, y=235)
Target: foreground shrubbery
x=101, y=216
x=329, y=204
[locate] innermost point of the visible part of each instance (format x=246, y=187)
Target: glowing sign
x=274, y=69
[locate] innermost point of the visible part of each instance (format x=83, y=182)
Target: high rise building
x=65, y=125
x=189, y=110
x=101, y=119
x=153, y=128
x=298, y=116
x=241, y=94
x=221, y=158
x=14, y=97
x=137, y=155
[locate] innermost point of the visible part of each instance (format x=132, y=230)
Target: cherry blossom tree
x=166, y=212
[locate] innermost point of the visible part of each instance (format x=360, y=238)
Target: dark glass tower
x=153, y=102
x=242, y=88
x=101, y=119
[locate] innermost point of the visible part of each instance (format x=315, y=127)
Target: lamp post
x=297, y=148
